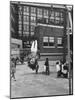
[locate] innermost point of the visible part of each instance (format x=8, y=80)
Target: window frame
x=33, y=10
x=26, y=9
x=34, y=19
x=25, y=33
x=45, y=41
x=59, y=45
x=26, y=29
x=25, y=18
x=51, y=40
x=46, y=13
x=39, y=11
x=47, y=46
x=20, y=27
x=32, y=28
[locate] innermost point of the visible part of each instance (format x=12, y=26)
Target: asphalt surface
x=29, y=84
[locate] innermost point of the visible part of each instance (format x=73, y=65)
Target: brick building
x=46, y=22
x=50, y=40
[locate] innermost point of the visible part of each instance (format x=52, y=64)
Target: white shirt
x=63, y=71
x=57, y=67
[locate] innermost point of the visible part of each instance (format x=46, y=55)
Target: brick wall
x=49, y=31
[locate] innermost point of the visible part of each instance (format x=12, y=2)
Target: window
x=48, y=42
x=20, y=10
x=26, y=27
x=26, y=9
x=26, y=18
x=61, y=17
x=57, y=14
x=33, y=19
x=25, y=22
x=32, y=33
x=51, y=41
x=32, y=28
x=19, y=22
x=26, y=44
x=20, y=17
x=20, y=27
x=25, y=33
x=52, y=16
x=20, y=33
x=46, y=13
x=39, y=11
x=45, y=41
x=39, y=19
x=57, y=17
x=33, y=10
x=59, y=41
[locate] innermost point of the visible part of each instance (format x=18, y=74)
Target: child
x=65, y=70
x=47, y=66
x=13, y=68
x=58, y=69
x=37, y=66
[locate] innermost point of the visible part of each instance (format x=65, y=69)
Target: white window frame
x=59, y=39
x=51, y=40
x=33, y=19
x=45, y=40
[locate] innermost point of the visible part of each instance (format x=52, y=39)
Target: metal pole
x=68, y=41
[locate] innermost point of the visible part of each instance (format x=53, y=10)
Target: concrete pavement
x=29, y=84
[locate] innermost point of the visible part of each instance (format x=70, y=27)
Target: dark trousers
x=58, y=73
x=37, y=67
x=65, y=75
x=47, y=70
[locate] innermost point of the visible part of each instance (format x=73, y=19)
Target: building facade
x=45, y=21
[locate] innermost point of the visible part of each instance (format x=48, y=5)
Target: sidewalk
x=29, y=84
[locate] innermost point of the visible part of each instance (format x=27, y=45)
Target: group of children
x=62, y=69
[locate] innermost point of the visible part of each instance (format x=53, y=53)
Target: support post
x=68, y=42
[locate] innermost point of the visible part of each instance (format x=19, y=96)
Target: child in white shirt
x=58, y=69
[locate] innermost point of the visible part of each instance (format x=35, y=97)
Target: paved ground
x=29, y=84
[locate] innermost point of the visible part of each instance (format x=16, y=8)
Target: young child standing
x=47, y=66
x=58, y=69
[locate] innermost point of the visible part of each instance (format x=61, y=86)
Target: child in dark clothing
x=65, y=70
x=47, y=66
